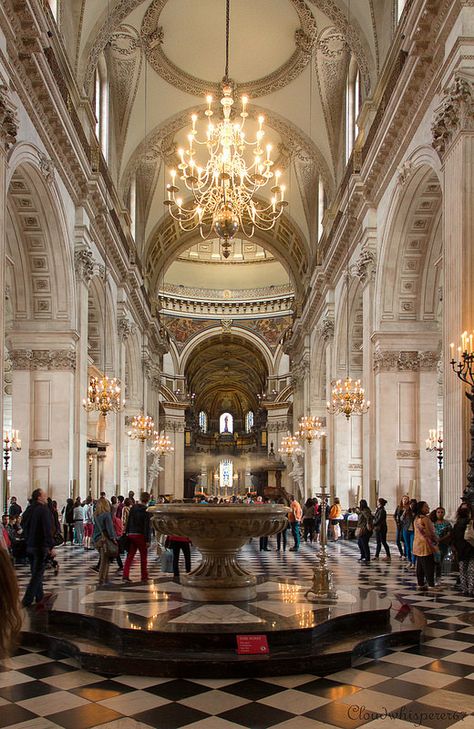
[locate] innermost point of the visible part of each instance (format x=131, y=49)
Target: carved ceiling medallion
x=152, y=35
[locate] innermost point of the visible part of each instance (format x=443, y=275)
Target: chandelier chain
x=227, y=35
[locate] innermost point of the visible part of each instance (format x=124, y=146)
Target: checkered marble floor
x=430, y=685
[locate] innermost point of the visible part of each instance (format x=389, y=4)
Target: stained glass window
x=203, y=421
x=249, y=421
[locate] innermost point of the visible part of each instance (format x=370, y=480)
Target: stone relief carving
x=456, y=112
x=226, y=324
x=327, y=328
x=125, y=328
x=46, y=166
x=331, y=63
x=41, y=453
x=43, y=359
x=405, y=172
x=365, y=266
x=84, y=265
x=8, y=118
x=415, y=454
x=405, y=361
x=151, y=34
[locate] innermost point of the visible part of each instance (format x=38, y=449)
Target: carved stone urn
x=219, y=531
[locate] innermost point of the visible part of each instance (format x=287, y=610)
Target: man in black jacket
x=38, y=531
x=139, y=534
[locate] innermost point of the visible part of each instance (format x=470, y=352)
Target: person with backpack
x=365, y=527
x=138, y=530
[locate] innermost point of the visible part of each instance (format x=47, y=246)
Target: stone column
x=84, y=268
x=43, y=406
x=174, y=462
x=453, y=138
x=327, y=333
x=124, y=447
x=364, y=269
x=8, y=132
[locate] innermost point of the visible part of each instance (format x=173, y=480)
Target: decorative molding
x=405, y=361
x=226, y=325
x=47, y=168
x=125, y=328
x=84, y=265
x=411, y=455
x=405, y=172
x=455, y=114
x=365, y=266
x=173, y=426
x=327, y=328
x=43, y=359
x=41, y=453
x=8, y=119
x=355, y=467
x=152, y=36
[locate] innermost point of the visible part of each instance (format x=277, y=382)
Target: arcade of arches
x=372, y=124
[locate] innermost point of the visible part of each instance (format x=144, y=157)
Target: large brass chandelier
x=289, y=445
x=224, y=186
x=310, y=428
x=143, y=426
x=161, y=445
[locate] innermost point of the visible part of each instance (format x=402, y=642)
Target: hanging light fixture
x=347, y=396
x=161, y=445
x=143, y=426
x=289, y=445
x=310, y=428
x=224, y=186
x=103, y=392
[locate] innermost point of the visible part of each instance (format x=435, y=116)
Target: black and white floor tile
x=431, y=685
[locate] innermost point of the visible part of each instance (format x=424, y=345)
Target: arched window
x=249, y=421
x=400, y=6
x=133, y=207
x=226, y=473
x=203, y=421
x=54, y=7
x=320, y=207
x=352, y=105
x=101, y=105
x=226, y=423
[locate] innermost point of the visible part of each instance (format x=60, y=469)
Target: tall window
x=226, y=473
x=352, y=105
x=226, y=423
x=101, y=106
x=320, y=207
x=133, y=207
x=53, y=6
x=249, y=421
x=203, y=421
x=400, y=5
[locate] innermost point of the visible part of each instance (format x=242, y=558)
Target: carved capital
x=43, y=359
x=8, y=119
x=455, y=114
x=84, y=265
x=327, y=328
x=365, y=266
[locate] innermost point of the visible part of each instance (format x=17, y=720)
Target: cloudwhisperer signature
x=417, y=718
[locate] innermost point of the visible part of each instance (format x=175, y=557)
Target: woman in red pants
x=139, y=534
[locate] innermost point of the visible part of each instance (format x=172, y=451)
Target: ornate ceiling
x=290, y=56
x=226, y=373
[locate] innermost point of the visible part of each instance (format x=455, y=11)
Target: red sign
x=252, y=644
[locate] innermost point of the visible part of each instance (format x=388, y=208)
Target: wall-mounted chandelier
x=161, y=445
x=289, y=445
x=310, y=428
x=224, y=186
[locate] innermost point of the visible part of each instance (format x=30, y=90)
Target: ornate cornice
x=84, y=265
x=455, y=114
x=43, y=359
x=8, y=119
x=405, y=361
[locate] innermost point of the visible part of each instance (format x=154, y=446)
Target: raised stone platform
x=152, y=630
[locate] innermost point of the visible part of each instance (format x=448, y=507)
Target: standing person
x=14, y=509
x=10, y=615
x=294, y=517
x=408, y=517
x=178, y=544
x=78, y=516
x=444, y=533
x=113, y=506
x=120, y=500
x=364, y=530
x=398, y=523
x=464, y=550
x=88, y=509
x=424, y=545
x=380, y=528
x=308, y=520
x=335, y=516
x=38, y=530
x=56, y=533
x=283, y=535
x=317, y=519
x=67, y=514
x=139, y=533
x=103, y=525
x=131, y=496
x=127, y=505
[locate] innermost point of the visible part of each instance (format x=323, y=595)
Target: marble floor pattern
x=430, y=685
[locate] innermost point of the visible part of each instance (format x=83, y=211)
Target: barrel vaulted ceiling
x=290, y=56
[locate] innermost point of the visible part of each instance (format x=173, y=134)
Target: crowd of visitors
x=122, y=525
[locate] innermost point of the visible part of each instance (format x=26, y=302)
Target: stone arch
x=39, y=258
x=96, y=326
x=407, y=277
x=355, y=330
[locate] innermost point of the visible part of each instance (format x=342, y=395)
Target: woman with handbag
x=380, y=527
x=464, y=549
x=364, y=530
x=425, y=545
x=104, y=538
